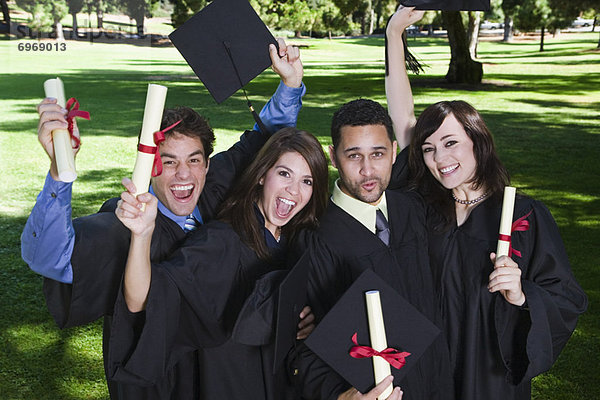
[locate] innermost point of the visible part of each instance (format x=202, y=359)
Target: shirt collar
x=361, y=211
x=178, y=219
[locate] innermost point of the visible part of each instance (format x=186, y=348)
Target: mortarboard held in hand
x=274, y=307
x=448, y=5
x=406, y=331
x=226, y=44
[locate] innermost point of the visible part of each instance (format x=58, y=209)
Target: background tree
x=473, y=32
x=5, y=12
x=139, y=10
x=184, y=9
x=75, y=6
x=462, y=69
x=509, y=7
x=532, y=14
x=45, y=14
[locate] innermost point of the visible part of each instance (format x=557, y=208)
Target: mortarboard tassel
x=259, y=122
x=412, y=64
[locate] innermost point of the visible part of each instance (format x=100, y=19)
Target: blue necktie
x=191, y=224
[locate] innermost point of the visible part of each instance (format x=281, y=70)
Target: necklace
x=469, y=202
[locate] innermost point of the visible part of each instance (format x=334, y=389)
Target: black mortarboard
x=274, y=307
x=407, y=330
x=448, y=5
x=226, y=44
x=292, y=299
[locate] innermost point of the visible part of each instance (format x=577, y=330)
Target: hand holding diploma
x=375, y=393
x=506, y=277
x=53, y=117
x=64, y=140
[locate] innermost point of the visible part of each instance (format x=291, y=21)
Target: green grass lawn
x=542, y=107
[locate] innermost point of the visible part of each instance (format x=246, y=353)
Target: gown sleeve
x=193, y=300
x=531, y=337
x=99, y=251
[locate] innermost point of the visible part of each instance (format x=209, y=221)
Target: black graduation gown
x=100, y=254
x=194, y=301
x=497, y=348
x=342, y=250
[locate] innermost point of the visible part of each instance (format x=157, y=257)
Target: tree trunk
x=5, y=12
x=594, y=24
x=473, y=32
x=298, y=34
x=99, y=14
x=371, y=20
x=75, y=27
x=139, y=21
x=462, y=68
x=542, y=38
x=58, y=30
x=508, y=29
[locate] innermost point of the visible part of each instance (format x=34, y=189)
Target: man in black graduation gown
x=86, y=265
x=369, y=227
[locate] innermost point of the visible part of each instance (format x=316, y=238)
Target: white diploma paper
x=63, y=150
x=381, y=367
x=508, y=206
x=155, y=103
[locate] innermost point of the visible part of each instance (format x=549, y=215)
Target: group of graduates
x=187, y=276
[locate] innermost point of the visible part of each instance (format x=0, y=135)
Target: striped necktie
x=191, y=224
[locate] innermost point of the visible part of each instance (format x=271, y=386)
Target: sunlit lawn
x=542, y=107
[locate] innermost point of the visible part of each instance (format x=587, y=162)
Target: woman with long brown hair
x=506, y=318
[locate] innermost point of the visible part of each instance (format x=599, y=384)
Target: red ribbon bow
x=395, y=358
x=73, y=111
x=520, y=225
x=159, y=137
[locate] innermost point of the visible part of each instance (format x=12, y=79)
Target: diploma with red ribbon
x=381, y=366
x=148, y=145
x=63, y=140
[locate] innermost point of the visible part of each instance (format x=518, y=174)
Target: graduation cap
x=407, y=330
x=227, y=45
x=292, y=299
x=448, y=5
x=260, y=312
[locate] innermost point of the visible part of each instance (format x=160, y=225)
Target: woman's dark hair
x=489, y=173
x=238, y=210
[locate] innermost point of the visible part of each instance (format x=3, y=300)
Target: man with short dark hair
x=83, y=260
x=368, y=226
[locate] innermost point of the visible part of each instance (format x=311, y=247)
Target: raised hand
x=506, y=279
x=403, y=18
x=286, y=63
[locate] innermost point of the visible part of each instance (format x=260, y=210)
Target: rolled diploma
x=381, y=367
x=155, y=103
x=508, y=206
x=61, y=140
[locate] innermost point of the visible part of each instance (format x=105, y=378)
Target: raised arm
x=48, y=236
x=283, y=107
x=397, y=86
x=140, y=220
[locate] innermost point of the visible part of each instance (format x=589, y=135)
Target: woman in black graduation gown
x=192, y=301
x=506, y=319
